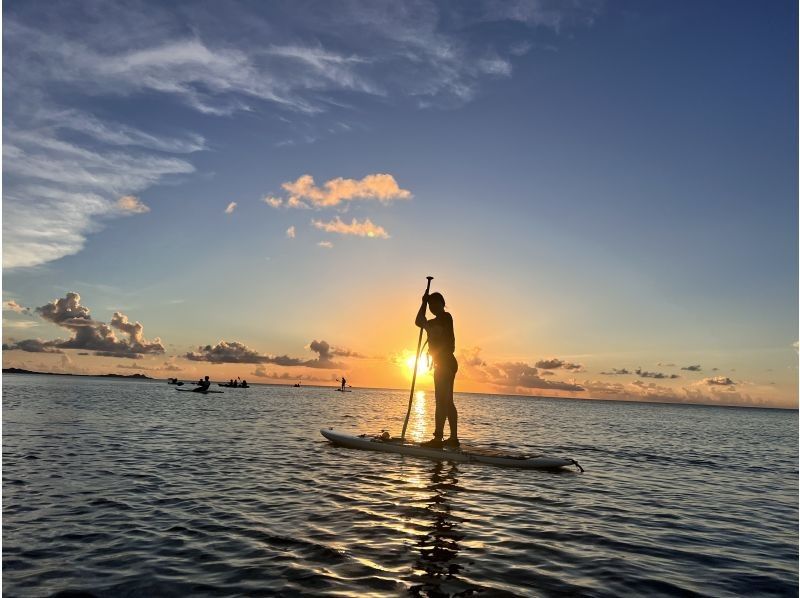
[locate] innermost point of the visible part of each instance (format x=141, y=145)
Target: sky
x=605, y=193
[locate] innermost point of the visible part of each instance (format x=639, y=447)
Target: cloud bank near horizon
x=88, y=334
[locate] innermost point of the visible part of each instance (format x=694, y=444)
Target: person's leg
x=452, y=412
x=440, y=389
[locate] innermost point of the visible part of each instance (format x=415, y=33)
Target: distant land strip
x=21, y=371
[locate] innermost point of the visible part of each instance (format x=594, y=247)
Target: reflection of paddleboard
x=462, y=455
x=200, y=392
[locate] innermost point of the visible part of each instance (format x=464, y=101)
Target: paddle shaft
x=414, y=374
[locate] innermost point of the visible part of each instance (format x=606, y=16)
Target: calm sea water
x=129, y=488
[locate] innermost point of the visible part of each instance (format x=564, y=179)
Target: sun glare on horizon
x=423, y=367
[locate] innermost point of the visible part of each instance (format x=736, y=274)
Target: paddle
x=416, y=363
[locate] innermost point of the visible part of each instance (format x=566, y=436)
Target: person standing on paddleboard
x=441, y=346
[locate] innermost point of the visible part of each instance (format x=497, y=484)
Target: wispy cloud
x=291, y=233
x=66, y=163
x=364, y=228
x=325, y=244
x=57, y=192
x=231, y=207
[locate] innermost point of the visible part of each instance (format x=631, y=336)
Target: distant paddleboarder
x=442, y=346
x=344, y=382
x=202, y=385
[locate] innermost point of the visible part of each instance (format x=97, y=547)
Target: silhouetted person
x=442, y=346
x=344, y=381
x=202, y=385
x=243, y=384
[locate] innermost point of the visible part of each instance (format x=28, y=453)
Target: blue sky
x=609, y=183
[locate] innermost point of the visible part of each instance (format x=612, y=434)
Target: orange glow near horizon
x=423, y=367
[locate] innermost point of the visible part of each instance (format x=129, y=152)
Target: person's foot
x=434, y=443
x=451, y=442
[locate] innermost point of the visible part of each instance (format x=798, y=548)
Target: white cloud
x=366, y=228
x=290, y=232
x=325, y=244
x=57, y=192
x=231, y=207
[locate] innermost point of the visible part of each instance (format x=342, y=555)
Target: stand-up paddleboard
x=461, y=455
x=342, y=390
x=200, y=392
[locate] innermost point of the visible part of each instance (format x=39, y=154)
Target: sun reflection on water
x=421, y=421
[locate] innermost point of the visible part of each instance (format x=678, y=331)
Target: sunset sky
x=605, y=192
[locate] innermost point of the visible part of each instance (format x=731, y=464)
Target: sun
x=423, y=367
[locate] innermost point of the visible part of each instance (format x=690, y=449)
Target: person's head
x=206, y=377
x=436, y=303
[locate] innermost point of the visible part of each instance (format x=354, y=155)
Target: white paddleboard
x=460, y=455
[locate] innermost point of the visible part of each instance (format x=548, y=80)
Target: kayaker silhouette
x=202, y=385
x=442, y=346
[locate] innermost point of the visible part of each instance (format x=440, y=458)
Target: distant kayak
x=237, y=386
x=200, y=392
x=461, y=455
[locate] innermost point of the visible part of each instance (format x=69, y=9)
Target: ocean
x=129, y=488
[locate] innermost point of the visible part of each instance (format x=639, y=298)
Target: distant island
x=21, y=371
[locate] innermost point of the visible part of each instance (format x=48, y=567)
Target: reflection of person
x=442, y=346
x=202, y=385
x=439, y=547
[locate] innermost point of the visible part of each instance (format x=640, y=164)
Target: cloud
x=380, y=187
x=231, y=207
x=262, y=372
x=471, y=358
x=555, y=364
x=325, y=244
x=326, y=351
x=20, y=323
x=692, y=368
x=12, y=305
x=290, y=233
x=57, y=192
x=719, y=381
x=513, y=376
x=65, y=166
x=274, y=202
x=355, y=228
x=130, y=204
x=89, y=334
x=521, y=375
x=235, y=352
x=698, y=393
x=616, y=372
x=643, y=374
x=33, y=345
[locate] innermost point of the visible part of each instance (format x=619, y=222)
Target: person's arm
x=421, y=321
